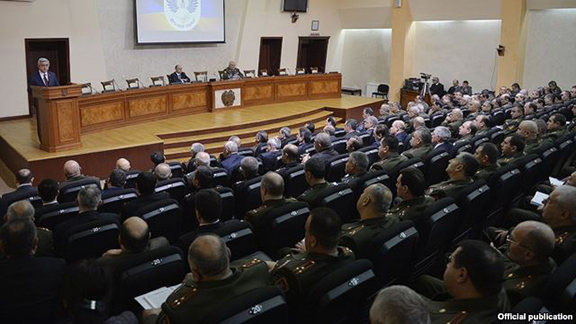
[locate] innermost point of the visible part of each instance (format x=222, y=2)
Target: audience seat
x=339, y=132
x=220, y=177
x=339, y=198
x=69, y=191
x=504, y=183
x=463, y=146
x=550, y=156
x=566, y=149
x=177, y=169
x=261, y=305
x=335, y=168
x=131, y=178
x=367, y=139
x=437, y=120
x=112, y=203
x=341, y=296
x=474, y=202
x=390, y=120
x=64, y=212
x=228, y=203
x=477, y=140
x=498, y=117
x=497, y=137
x=248, y=196
x=372, y=154
x=164, y=218
x=239, y=238
x=295, y=181
x=559, y=294
x=530, y=167
x=91, y=240
x=378, y=177
x=436, y=168
x=175, y=187
x=339, y=145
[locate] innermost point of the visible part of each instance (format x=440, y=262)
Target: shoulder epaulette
x=251, y=263
x=43, y=229
x=560, y=238
x=182, y=300
x=301, y=269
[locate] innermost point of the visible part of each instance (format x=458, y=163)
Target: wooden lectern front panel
x=101, y=114
x=190, y=101
x=147, y=107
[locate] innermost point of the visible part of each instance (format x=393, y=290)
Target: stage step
x=178, y=149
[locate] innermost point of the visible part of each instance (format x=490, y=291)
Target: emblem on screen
x=228, y=98
x=182, y=14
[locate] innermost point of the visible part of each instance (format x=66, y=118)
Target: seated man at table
x=178, y=76
x=232, y=72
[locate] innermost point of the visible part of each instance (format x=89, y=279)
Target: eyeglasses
x=510, y=241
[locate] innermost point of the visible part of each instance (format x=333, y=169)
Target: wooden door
x=312, y=52
x=270, y=54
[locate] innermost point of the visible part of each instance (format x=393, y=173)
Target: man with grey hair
x=261, y=140
x=73, y=172
x=23, y=209
x=232, y=162
x=398, y=129
x=24, y=190
x=460, y=171
x=399, y=305
x=162, y=172
x=441, y=140
x=323, y=146
x=384, y=111
x=453, y=121
x=285, y=135
x=202, y=158
x=195, y=148
x=350, y=127
x=211, y=283
x=249, y=168
x=372, y=207
x=271, y=156
x=89, y=200
x=356, y=168
x=43, y=77
x=421, y=143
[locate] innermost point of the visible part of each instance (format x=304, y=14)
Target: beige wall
x=73, y=19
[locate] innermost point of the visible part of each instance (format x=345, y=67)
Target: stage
x=19, y=144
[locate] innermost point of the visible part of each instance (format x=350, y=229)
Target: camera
x=425, y=76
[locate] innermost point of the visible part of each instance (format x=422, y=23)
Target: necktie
x=46, y=79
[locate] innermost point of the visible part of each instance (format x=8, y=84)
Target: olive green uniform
x=555, y=134
x=311, y=195
x=358, y=236
x=389, y=163
x=255, y=216
x=192, y=302
x=464, y=138
x=448, y=188
x=419, y=152
x=531, y=146
x=565, y=243
x=229, y=73
x=297, y=274
x=454, y=127
x=486, y=172
x=511, y=125
x=503, y=161
x=522, y=282
x=45, y=244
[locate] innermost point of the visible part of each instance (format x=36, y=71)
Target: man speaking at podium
x=232, y=72
x=44, y=77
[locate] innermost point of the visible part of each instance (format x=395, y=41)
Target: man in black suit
x=178, y=76
x=24, y=190
x=350, y=128
x=29, y=284
x=208, y=205
x=73, y=172
x=48, y=192
x=23, y=209
x=114, y=183
x=323, y=146
x=43, y=77
x=441, y=140
x=261, y=141
x=269, y=158
x=88, y=200
x=304, y=138
x=195, y=148
x=437, y=88
x=145, y=185
x=356, y=168
x=233, y=160
x=289, y=158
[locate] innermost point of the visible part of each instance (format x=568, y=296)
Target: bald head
x=538, y=237
x=71, y=168
x=208, y=256
x=162, y=171
x=272, y=186
x=22, y=209
x=290, y=153
x=24, y=176
x=123, y=164
x=374, y=201
x=528, y=129
x=134, y=235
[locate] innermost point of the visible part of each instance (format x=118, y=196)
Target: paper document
x=555, y=182
x=538, y=199
x=155, y=298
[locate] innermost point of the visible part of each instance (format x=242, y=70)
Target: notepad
x=155, y=298
x=538, y=199
x=555, y=182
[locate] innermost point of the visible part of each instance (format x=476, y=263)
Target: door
x=312, y=52
x=56, y=50
x=270, y=54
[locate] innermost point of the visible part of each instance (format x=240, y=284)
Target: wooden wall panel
x=99, y=114
x=259, y=92
x=187, y=100
x=147, y=106
x=324, y=87
x=66, y=130
x=286, y=90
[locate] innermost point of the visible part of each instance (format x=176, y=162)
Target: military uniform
x=511, y=125
x=555, y=134
x=448, y=188
x=358, y=236
x=310, y=195
x=531, y=146
x=297, y=274
x=485, y=173
x=255, y=216
x=454, y=127
x=228, y=73
x=389, y=163
x=521, y=282
x=477, y=310
x=464, y=138
x=419, y=152
x=193, y=302
x=411, y=209
x=503, y=161
x=565, y=243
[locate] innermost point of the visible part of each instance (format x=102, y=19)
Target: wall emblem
x=228, y=98
x=182, y=14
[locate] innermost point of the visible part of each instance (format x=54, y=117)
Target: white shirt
x=44, y=76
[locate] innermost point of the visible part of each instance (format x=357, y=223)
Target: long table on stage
x=109, y=110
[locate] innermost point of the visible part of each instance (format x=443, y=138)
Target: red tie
x=46, y=79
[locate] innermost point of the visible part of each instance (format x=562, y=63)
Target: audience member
x=314, y=172
x=157, y=158
x=411, y=201
x=441, y=140
x=421, y=144
x=208, y=207
x=233, y=160
x=24, y=190
x=556, y=127
x=512, y=149
x=195, y=148
x=145, y=186
x=73, y=172
x=487, y=156
x=350, y=127
x=388, y=154
x=269, y=158
x=48, y=192
x=261, y=141
x=460, y=171
x=272, y=194
x=466, y=131
x=399, y=305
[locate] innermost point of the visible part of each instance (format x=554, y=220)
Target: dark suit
x=404, y=138
x=175, y=79
x=269, y=160
x=185, y=240
x=325, y=155
x=443, y=147
x=303, y=147
x=437, y=89
x=36, y=80
x=259, y=148
x=64, y=230
x=131, y=208
x=22, y=192
x=30, y=289
x=232, y=163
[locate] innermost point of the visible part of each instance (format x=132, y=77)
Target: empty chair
x=164, y=218
x=436, y=169
x=497, y=137
x=131, y=178
x=559, y=294
x=531, y=168
x=36, y=202
x=396, y=249
x=505, y=183
x=176, y=169
x=339, y=145
x=381, y=91
x=339, y=132
x=340, y=296
x=247, y=196
x=339, y=198
x=377, y=177
x=91, y=240
x=260, y=305
x=295, y=181
x=335, y=168
x=220, y=177
x=239, y=238
x=112, y=203
x=443, y=216
x=228, y=203
x=65, y=212
x=437, y=120
x=69, y=191
x=367, y=139
x=566, y=150
x=282, y=227
x=549, y=158
x=474, y=202
x=371, y=153
x=175, y=187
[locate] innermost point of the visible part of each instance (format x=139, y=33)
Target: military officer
x=529, y=130
x=421, y=143
x=460, y=171
x=388, y=153
x=512, y=149
x=232, y=72
x=297, y=273
x=372, y=207
x=487, y=156
x=556, y=127
x=314, y=172
x=453, y=120
x=210, y=284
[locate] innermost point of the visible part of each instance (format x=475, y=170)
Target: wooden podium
x=58, y=117
x=227, y=94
